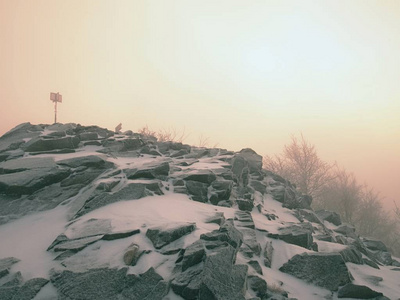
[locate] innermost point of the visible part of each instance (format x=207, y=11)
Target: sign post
x=55, y=97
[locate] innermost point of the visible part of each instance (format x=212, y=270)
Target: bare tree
x=397, y=211
x=370, y=216
x=301, y=164
x=165, y=135
x=342, y=194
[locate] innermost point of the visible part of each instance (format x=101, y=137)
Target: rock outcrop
x=139, y=218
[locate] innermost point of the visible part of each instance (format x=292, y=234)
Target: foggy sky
x=243, y=73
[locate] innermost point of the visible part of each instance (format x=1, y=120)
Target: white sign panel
x=55, y=97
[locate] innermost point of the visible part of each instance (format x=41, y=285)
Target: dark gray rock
x=78, y=244
x=370, y=263
x=240, y=170
x=30, y=289
x=250, y=239
x=309, y=215
x=164, y=147
x=16, y=136
x=119, y=234
x=324, y=237
x=42, y=144
x=375, y=280
x=256, y=266
x=395, y=263
x=258, y=285
x=82, y=178
x=304, y=201
x=290, y=198
x=148, y=285
x=101, y=132
x=351, y=254
x=222, y=189
x=15, y=280
x=278, y=192
x=101, y=284
x=154, y=187
x=161, y=236
x=198, y=190
x=204, y=176
x=253, y=159
x=149, y=172
x=123, y=145
x=27, y=175
x=227, y=233
x=374, y=244
x=218, y=218
x=92, y=161
x=131, y=191
x=4, y=272
x=268, y=252
x=329, y=216
x=221, y=279
x=187, y=284
x=59, y=239
x=150, y=151
x=88, y=136
x=346, y=230
x=7, y=293
x=179, y=153
x=327, y=270
x=296, y=235
x=244, y=204
x=244, y=219
x=258, y=186
x=194, y=254
x=91, y=227
x=357, y=291
x=6, y=263
x=383, y=257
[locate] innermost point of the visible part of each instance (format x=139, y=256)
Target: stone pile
x=226, y=263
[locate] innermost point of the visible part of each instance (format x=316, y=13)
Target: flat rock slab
x=329, y=216
x=131, y=191
x=148, y=285
x=221, y=279
x=226, y=233
x=106, y=284
x=149, y=171
x=77, y=245
x=30, y=289
x=22, y=164
x=41, y=144
x=31, y=180
x=164, y=235
x=89, y=228
x=198, y=190
x=6, y=263
x=357, y=291
x=120, y=234
x=93, y=161
x=296, y=235
x=99, y=284
x=327, y=270
x=204, y=176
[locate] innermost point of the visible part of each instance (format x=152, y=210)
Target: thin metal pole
x=55, y=112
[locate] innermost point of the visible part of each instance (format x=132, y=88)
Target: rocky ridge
x=143, y=219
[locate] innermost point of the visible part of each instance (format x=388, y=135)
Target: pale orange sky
x=243, y=73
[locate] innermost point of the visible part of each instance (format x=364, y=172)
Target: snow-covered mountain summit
x=89, y=214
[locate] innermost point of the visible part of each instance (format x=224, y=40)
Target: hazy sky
x=243, y=73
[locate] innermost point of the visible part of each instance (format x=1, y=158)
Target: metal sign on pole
x=55, y=97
